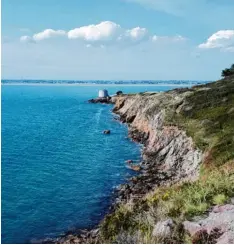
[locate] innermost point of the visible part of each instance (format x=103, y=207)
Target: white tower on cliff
x=103, y=93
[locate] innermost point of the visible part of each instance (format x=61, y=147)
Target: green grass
x=220, y=199
x=208, y=117
x=192, y=199
x=179, y=202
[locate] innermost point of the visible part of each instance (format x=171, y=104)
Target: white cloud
x=177, y=38
x=48, y=33
x=137, y=33
x=223, y=39
x=134, y=35
x=104, y=31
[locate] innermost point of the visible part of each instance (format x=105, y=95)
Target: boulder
x=191, y=227
x=217, y=227
x=163, y=229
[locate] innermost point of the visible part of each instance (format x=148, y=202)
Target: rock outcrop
x=217, y=227
x=104, y=100
x=169, y=155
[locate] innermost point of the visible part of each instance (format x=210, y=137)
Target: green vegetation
x=178, y=202
x=190, y=199
x=207, y=115
x=220, y=199
x=228, y=71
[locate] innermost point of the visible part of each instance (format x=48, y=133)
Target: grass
x=192, y=199
x=220, y=199
x=178, y=202
x=207, y=115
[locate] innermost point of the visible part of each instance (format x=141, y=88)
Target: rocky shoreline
x=158, y=165
x=151, y=174
x=170, y=156
x=105, y=100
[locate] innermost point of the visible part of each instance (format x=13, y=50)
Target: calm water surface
x=58, y=169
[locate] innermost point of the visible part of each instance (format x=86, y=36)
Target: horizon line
x=109, y=80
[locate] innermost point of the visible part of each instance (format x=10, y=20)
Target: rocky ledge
x=105, y=100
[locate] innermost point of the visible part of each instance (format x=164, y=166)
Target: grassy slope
x=208, y=117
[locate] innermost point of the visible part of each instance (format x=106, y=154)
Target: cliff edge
x=184, y=191
x=187, y=168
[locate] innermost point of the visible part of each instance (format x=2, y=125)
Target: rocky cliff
x=166, y=147
x=187, y=168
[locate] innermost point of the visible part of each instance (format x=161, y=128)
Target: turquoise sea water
x=58, y=169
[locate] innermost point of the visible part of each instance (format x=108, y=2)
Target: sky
x=117, y=39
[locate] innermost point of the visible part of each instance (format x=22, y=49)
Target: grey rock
x=163, y=228
x=166, y=147
x=219, y=225
x=191, y=227
x=226, y=238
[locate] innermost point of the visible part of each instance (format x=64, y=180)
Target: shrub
x=220, y=199
x=228, y=71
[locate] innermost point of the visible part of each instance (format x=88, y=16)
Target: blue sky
x=117, y=39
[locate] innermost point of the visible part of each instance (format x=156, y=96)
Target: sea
x=58, y=169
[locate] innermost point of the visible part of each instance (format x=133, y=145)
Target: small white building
x=103, y=93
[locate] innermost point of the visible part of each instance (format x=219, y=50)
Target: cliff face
x=166, y=147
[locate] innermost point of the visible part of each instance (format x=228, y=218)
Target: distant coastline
x=102, y=82
x=89, y=84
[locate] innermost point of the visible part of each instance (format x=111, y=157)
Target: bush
x=220, y=199
x=228, y=71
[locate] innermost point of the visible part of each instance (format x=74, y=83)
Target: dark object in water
x=129, y=161
x=106, y=132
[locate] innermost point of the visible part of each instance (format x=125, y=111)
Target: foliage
x=178, y=202
x=228, y=71
x=207, y=115
x=220, y=199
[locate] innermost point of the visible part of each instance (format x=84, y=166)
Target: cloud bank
x=102, y=33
